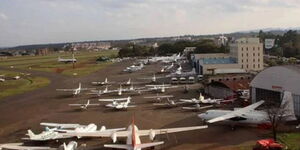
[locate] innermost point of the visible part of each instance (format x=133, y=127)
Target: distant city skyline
x=57, y=21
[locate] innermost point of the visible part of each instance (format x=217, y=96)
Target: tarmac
x=25, y=111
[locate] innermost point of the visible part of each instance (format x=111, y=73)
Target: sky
x=24, y=22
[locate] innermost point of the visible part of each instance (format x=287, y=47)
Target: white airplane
x=166, y=59
x=105, y=82
x=114, y=99
x=160, y=88
x=205, y=101
x=166, y=68
x=197, y=107
x=75, y=91
x=71, y=145
x=84, y=106
x=159, y=97
x=120, y=105
x=134, y=68
x=246, y=115
x=44, y=136
x=133, y=135
x=78, y=128
x=153, y=78
x=61, y=125
x=68, y=60
x=169, y=103
x=102, y=92
x=20, y=146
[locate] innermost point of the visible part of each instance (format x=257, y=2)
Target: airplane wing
x=162, y=96
x=94, y=104
x=186, y=100
x=98, y=134
x=84, y=89
x=112, y=99
x=169, y=130
x=61, y=125
x=160, y=104
x=237, y=113
x=18, y=146
x=76, y=104
x=66, y=90
x=189, y=108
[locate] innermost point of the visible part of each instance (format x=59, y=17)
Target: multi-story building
x=249, y=53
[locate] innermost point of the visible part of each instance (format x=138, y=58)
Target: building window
x=258, y=48
x=220, y=80
x=253, y=54
x=242, y=67
x=258, y=60
x=253, y=65
x=242, y=78
x=242, y=54
x=247, y=48
x=258, y=54
x=234, y=79
x=247, y=66
x=247, y=54
x=253, y=48
x=242, y=48
x=258, y=65
x=242, y=60
x=247, y=60
x=253, y=60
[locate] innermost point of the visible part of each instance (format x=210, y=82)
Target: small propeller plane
x=197, y=107
x=159, y=98
x=169, y=103
x=133, y=136
x=160, y=88
x=205, y=101
x=116, y=104
x=75, y=91
x=105, y=82
x=84, y=106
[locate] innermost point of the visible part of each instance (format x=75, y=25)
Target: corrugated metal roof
x=237, y=85
x=279, y=78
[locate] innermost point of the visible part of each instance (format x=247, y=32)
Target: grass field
x=24, y=84
x=291, y=140
x=86, y=62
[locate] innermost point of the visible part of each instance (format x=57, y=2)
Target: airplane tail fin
x=105, y=80
x=79, y=85
x=118, y=146
x=88, y=102
x=30, y=133
x=65, y=146
x=146, y=145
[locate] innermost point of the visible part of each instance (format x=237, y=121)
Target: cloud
x=3, y=16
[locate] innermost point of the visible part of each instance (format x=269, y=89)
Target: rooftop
x=228, y=60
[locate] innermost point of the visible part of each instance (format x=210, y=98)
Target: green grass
x=291, y=140
x=86, y=62
x=24, y=84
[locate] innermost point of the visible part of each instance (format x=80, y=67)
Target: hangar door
x=268, y=95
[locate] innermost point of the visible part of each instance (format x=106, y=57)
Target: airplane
x=129, y=82
x=114, y=99
x=205, y=101
x=134, y=68
x=20, y=146
x=77, y=127
x=169, y=103
x=105, y=82
x=166, y=68
x=75, y=91
x=153, y=78
x=248, y=115
x=71, y=145
x=159, y=97
x=133, y=135
x=160, y=88
x=69, y=60
x=197, y=107
x=180, y=73
x=84, y=106
x=44, y=136
x=102, y=92
x=120, y=105
x=166, y=59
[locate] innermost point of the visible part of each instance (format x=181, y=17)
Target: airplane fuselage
x=255, y=117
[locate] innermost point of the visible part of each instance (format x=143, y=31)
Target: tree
x=275, y=116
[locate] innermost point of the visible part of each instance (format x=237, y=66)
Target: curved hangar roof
x=279, y=78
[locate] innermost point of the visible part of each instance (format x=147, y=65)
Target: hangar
x=271, y=83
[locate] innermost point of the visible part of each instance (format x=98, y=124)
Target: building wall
x=208, y=68
x=249, y=53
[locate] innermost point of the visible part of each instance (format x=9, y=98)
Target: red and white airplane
x=133, y=135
